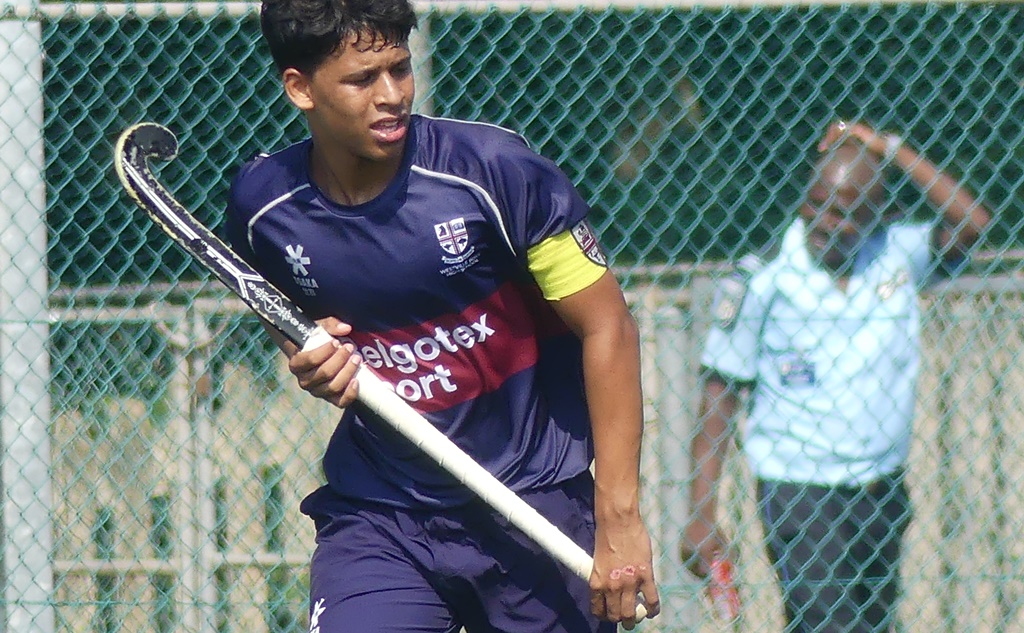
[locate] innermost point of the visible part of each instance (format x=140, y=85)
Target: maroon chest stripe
x=454, y=358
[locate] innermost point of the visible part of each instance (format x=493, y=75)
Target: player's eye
x=402, y=69
x=362, y=79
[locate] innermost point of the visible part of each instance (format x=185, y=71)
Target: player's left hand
x=623, y=570
x=329, y=371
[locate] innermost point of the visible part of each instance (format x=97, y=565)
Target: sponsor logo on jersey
x=300, y=274
x=587, y=241
x=440, y=363
x=407, y=357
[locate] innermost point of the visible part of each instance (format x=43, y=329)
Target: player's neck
x=349, y=180
x=842, y=283
x=840, y=272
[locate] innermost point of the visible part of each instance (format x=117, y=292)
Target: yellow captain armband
x=566, y=263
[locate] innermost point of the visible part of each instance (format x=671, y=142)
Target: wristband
x=893, y=142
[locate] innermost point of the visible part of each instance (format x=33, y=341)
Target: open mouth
x=390, y=130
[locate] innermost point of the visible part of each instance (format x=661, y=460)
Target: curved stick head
x=151, y=140
x=134, y=148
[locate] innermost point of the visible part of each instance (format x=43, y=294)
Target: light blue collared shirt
x=835, y=372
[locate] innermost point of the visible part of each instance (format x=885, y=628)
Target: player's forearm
x=709, y=447
x=962, y=213
x=611, y=365
x=707, y=454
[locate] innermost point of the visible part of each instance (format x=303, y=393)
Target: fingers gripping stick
x=134, y=148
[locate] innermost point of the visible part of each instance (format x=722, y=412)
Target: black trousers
x=836, y=552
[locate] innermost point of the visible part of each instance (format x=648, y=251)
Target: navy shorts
x=380, y=569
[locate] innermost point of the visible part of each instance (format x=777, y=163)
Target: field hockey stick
x=143, y=141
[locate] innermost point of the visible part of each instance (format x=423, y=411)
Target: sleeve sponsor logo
x=728, y=298
x=587, y=241
x=732, y=290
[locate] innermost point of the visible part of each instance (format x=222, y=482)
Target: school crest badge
x=452, y=236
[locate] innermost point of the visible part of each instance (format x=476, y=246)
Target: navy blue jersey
x=432, y=277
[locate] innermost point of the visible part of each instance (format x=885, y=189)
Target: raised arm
x=964, y=217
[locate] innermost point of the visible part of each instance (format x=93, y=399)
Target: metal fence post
x=197, y=554
x=24, y=363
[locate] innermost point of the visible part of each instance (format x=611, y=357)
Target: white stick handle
x=383, y=401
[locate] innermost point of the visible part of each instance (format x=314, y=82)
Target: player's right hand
x=862, y=132
x=328, y=372
x=702, y=542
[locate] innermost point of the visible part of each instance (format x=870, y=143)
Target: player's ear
x=297, y=87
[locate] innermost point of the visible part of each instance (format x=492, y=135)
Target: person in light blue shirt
x=824, y=339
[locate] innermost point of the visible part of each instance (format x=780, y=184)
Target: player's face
x=837, y=217
x=360, y=99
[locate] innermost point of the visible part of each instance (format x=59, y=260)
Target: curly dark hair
x=302, y=34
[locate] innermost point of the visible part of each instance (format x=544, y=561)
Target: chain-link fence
x=154, y=447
